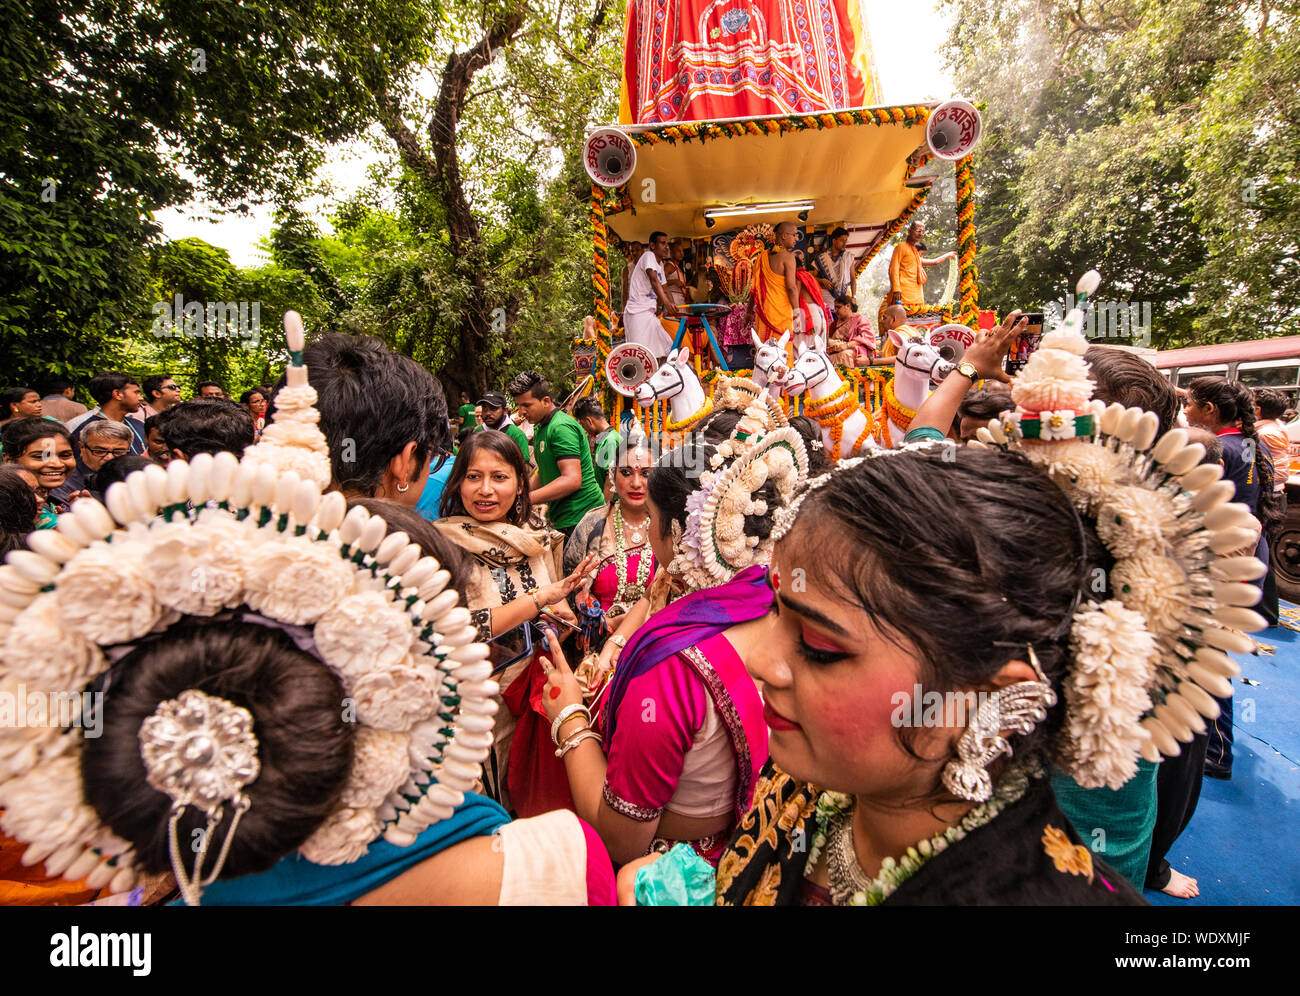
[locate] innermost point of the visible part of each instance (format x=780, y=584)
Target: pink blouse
x=605, y=587
x=680, y=743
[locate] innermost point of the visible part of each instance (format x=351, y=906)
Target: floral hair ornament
x=200, y=751
x=1147, y=661
x=255, y=537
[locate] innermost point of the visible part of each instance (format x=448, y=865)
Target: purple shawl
x=684, y=623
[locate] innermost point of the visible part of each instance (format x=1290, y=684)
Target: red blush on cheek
x=855, y=715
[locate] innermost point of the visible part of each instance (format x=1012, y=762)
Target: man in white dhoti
x=645, y=291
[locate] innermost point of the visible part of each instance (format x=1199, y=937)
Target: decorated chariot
x=697, y=181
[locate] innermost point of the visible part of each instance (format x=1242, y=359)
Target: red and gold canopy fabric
x=704, y=60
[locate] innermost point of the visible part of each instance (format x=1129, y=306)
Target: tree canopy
x=1152, y=139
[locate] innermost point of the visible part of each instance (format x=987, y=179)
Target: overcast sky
x=906, y=38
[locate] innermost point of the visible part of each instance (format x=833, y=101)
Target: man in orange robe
x=786, y=299
x=907, y=268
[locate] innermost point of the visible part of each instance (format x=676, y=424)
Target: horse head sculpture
x=674, y=378
x=811, y=367
x=919, y=357
x=770, y=366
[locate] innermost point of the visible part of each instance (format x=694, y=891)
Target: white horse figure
x=917, y=366
x=833, y=404
x=677, y=382
x=770, y=365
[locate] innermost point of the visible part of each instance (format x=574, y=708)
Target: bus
x=1271, y=363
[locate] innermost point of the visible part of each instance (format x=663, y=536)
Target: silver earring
x=403, y=488
x=1018, y=708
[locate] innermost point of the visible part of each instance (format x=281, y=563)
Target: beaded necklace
x=849, y=885
x=627, y=593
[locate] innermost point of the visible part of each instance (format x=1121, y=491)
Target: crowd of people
x=662, y=278
x=697, y=655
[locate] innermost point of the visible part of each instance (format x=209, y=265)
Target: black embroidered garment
x=1029, y=855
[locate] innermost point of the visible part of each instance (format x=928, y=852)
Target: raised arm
x=940, y=408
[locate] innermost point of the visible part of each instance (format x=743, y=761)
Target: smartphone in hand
x=1027, y=343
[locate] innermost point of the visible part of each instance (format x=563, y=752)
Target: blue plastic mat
x=1241, y=846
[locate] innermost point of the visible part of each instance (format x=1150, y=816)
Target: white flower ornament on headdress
x=1148, y=660
x=219, y=534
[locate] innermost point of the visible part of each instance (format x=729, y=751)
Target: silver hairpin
x=200, y=751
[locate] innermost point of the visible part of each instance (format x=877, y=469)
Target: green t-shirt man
x=467, y=419
x=515, y=433
x=560, y=437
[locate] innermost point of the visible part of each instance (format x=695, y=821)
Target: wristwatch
x=968, y=370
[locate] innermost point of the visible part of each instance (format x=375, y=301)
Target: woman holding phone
x=486, y=512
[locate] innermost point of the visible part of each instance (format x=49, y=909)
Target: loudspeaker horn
x=627, y=366
x=609, y=157
x=954, y=129
x=952, y=341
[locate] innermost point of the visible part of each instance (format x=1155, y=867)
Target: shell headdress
x=762, y=448
x=256, y=536
x=1150, y=658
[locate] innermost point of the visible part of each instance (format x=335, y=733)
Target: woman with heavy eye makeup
x=889, y=633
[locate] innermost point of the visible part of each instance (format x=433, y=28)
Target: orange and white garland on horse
x=918, y=366
x=676, y=382
x=831, y=401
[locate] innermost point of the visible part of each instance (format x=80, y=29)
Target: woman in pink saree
x=681, y=730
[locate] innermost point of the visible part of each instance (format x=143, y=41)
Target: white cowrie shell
x=176, y=487
x=1215, y=684
x=137, y=484
x=222, y=475
x=93, y=517
x=1201, y=476
x=404, y=561
x=1214, y=495
x=1228, y=639
x=120, y=504
x=329, y=514
x=391, y=545
x=1185, y=459
x=200, y=482
x=156, y=479
x=241, y=485
x=1170, y=443
x=264, y=481
x=286, y=487
x=353, y=523
x=1199, y=699
x=53, y=545
x=1148, y=426
x=372, y=534
x=33, y=567
x=306, y=499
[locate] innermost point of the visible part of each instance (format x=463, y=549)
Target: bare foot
x=1181, y=886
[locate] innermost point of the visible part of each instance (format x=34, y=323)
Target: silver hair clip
x=200, y=751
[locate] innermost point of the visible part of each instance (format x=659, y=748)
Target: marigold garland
x=907, y=115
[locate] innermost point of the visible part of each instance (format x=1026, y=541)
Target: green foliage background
x=1157, y=140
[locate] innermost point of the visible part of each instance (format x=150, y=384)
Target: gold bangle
x=576, y=715
x=618, y=641
x=536, y=602
x=585, y=734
